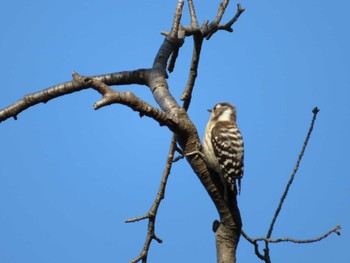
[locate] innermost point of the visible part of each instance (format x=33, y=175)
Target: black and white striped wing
x=228, y=146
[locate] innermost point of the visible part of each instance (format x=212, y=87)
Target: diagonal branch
x=152, y=213
x=291, y=179
x=215, y=25
x=139, y=76
x=228, y=25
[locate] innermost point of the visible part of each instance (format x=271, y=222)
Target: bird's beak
x=209, y=110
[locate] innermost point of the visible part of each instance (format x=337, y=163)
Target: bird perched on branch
x=223, y=147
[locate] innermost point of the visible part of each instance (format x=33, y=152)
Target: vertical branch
x=194, y=21
x=176, y=35
x=187, y=94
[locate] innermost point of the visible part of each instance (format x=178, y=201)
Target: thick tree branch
x=188, y=139
x=139, y=76
x=111, y=96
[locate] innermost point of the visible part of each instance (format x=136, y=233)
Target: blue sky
x=70, y=175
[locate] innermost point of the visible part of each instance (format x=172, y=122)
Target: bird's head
x=223, y=111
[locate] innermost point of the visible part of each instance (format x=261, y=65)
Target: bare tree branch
x=298, y=241
x=139, y=76
x=211, y=28
x=267, y=240
x=255, y=241
x=193, y=16
x=177, y=35
x=256, y=245
x=111, y=96
x=284, y=195
x=228, y=25
x=291, y=179
x=152, y=213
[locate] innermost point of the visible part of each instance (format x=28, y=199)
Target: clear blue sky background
x=70, y=175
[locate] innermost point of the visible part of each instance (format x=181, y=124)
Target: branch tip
x=136, y=219
x=160, y=241
x=315, y=110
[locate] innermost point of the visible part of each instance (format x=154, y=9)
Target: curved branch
x=335, y=230
x=111, y=96
x=301, y=241
x=266, y=256
x=139, y=76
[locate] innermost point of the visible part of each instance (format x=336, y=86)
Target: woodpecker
x=223, y=147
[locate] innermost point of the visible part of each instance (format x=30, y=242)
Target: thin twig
x=213, y=26
x=291, y=179
x=152, y=213
x=228, y=25
x=314, y=111
x=335, y=230
x=255, y=243
x=266, y=256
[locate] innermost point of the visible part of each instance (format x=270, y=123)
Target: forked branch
x=335, y=230
x=152, y=213
x=267, y=240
